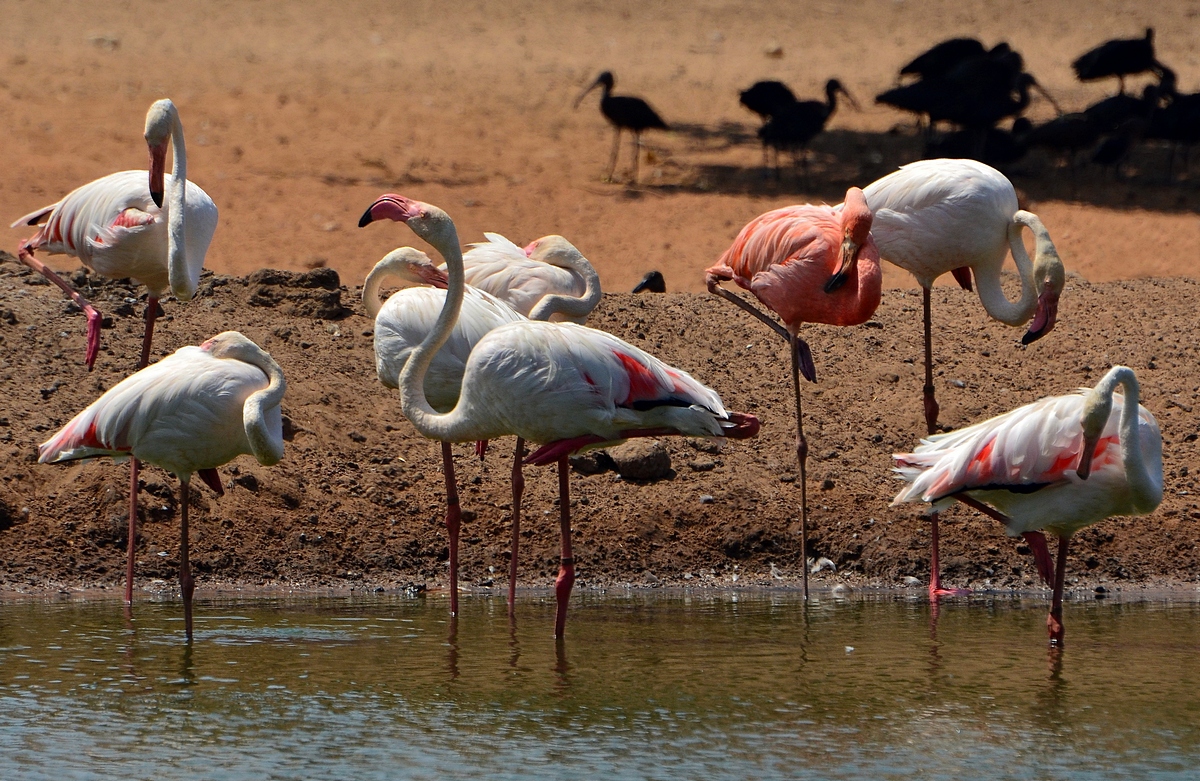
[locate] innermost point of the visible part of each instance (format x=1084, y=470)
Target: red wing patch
x=642, y=384
x=132, y=218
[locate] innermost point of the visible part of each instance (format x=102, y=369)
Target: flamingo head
x=160, y=121
x=548, y=248
x=414, y=266
x=856, y=230
x=426, y=220
x=1097, y=407
x=227, y=344
x=1048, y=271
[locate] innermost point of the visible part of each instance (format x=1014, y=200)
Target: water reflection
x=643, y=686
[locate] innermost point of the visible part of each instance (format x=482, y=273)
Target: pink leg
x=1035, y=540
x=566, y=571
x=935, y=573
x=134, y=468
x=453, y=522
x=518, y=489
x=1054, y=624
x=931, y=405
x=152, y=310
x=187, y=584
x=25, y=254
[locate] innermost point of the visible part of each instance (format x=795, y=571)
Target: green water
x=644, y=687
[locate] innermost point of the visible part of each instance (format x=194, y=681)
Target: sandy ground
x=299, y=115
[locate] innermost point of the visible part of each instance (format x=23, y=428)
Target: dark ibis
x=995, y=146
x=1065, y=136
x=794, y=125
x=653, y=282
x=943, y=57
x=1108, y=114
x=1119, y=57
x=624, y=112
x=766, y=97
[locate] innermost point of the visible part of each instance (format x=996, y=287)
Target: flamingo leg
x=931, y=405
x=1054, y=622
x=187, y=584
x=802, y=459
x=1035, y=540
x=134, y=468
x=25, y=254
x=518, y=489
x=153, y=310
x=612, y=158
x=566, y=571
x=453, y=522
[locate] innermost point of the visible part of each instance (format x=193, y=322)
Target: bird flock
x=492, y=342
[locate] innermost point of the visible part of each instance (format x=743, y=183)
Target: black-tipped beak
x=848, y=254
x=158, y=165
x=366, y=219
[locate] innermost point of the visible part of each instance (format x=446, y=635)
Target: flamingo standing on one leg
x=1058, y=464
x=808, y=264
x=561, y=384
x=961, y=216
x=119, y=226
x=190, y=412
x=547, y=280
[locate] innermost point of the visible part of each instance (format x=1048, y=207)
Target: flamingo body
x=506, y=271
x=787, y=255
x=113, y=227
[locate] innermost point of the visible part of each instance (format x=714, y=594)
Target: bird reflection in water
x=452, y=649
x=562, y=679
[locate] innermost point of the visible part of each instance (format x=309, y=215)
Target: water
x=645, y=687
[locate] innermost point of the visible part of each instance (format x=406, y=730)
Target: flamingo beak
x=848, y=255
x=390, y=207
x=1085, y=458
x=158, y=166
x=529, y=248
x=432, y=275
x=740, y=425
x=1044, y=318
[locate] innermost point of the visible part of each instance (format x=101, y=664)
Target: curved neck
x=571, y=306
x=1144, y=487
x=394, y=265
x=991, y=293
x=266, y=448
x=452, y=426
x=182, y=283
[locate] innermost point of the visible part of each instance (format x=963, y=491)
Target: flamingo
x=624, y=111
x=191, y=412
x=808, y=264
x=118, y=226
x=1058, y=464
x=961, y=216
x=548, y=280
x=561, y=385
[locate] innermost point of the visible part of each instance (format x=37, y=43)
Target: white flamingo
x=559, y=384
x=191, y=412
x=119, y=226
x=1058, y=464
x=961, y=216
x=548, y=280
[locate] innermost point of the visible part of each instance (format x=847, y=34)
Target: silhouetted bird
x=794, y=125
x=766, y=97
x=622, y=111
x=1066, y=136
x=1177, y=122
x=1120, y=57
x=1110, y=113
x=652, y=282
x=1115, y=149
x=994, y=146
x=940, y=59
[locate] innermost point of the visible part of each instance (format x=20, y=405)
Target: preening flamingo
x=548, y=280
x=119, y=226
x=191, y=412
x=808, y=264
x=558, y=384
x=1058, y=464
x=624, y=111
x=961, y=216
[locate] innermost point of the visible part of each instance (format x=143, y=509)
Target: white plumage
x=523, y=278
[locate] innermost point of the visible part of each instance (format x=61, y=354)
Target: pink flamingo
x=961, y=216
x=191, y=412
x=808, y=264
x=118, y=226
x=560, y=384
x=1059, y=464
x=549, y=279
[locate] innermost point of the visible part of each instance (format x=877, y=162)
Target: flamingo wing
x=183, y=413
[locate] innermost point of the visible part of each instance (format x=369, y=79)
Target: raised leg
x=134, y=468
x=453, y=522
x=1054, y=622
x=153, y=310
x=187, y=585
x=566, y=570
x=802, y=459
x=612, y=158
x=518, y=489
x=25, y=254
